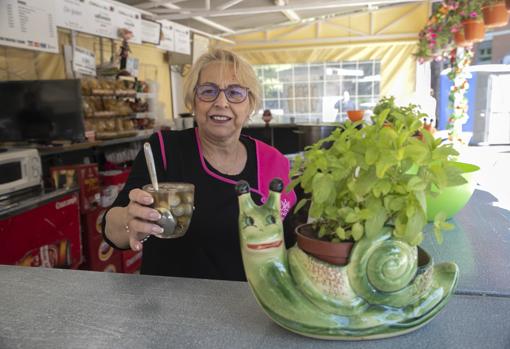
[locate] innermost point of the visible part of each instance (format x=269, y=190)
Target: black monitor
x=41, y=111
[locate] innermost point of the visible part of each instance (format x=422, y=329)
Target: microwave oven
x=19, y=169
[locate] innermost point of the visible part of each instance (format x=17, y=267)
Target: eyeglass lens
x=209, y=92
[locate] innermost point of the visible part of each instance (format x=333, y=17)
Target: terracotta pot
x=474, y=30
x=332, y=252
x=355, y=115
x=460, y=40
x=495, y=15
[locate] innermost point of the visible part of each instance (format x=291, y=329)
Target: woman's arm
x=126, y=226
x=130, y=220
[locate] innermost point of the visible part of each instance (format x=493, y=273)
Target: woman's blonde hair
x=243, y=72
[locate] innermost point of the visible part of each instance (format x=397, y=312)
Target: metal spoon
x=167, y=220
x=149, y=158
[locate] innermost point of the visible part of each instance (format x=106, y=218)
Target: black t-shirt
x=210, y=248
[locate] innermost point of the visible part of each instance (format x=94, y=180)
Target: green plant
x=470, y=9
x=360, y=179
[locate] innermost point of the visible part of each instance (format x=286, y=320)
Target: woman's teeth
x=220, y=117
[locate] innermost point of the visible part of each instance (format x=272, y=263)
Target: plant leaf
x=357, y=231
x=323, y=186
x=416, y=184
x=300, y=205
x=340, y=232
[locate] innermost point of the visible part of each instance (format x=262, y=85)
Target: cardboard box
x=99, y=256
x=112, y=183
x=85, y=176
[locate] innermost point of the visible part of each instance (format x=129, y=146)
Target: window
x=319, y=91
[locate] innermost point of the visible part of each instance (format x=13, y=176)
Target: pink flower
x=473, y=14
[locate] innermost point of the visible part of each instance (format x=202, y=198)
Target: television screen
x=41, y=111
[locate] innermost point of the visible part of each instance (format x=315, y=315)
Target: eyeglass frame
x=220, y=90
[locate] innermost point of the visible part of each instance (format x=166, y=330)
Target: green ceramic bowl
x=452, y=199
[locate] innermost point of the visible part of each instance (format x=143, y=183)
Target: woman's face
x=220, y=119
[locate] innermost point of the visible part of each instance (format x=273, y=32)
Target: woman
x=223, y=91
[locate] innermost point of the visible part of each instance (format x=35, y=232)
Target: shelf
x=46, y=151
x=145, y=95
x=145, y=115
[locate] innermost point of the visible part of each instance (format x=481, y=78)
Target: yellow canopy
x=388, y=35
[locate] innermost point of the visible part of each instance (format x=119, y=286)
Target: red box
x=131, y=261
x=99, y=256
x=112, y=183
x=46, y=236
x=86, y=176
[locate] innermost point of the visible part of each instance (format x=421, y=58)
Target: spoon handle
x=149, y=158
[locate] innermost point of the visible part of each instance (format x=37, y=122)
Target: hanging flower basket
x=495, y=15
x=460, y=40
x=474, y=30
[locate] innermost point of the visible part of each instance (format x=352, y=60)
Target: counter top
x=28, y=201
x=51, y=308
x=479, y=244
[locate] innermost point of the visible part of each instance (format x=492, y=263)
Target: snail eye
x=249, y=221
x=270, y=219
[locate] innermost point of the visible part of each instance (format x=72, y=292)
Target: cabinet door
x=498, y=109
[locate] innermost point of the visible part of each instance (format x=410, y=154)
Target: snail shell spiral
x=383, y=271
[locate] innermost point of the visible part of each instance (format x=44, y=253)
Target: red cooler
x=45, y=236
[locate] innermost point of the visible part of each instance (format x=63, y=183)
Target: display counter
x=63, y=309
x=51, y=308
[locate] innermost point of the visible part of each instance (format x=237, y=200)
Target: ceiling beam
x=346, y=28
x=391, y=24
x=187, y=13
x=291, y=15
x=155, y=3
x=214, y=24
x=200, y=18
x=216, y=37
x=358, y=40
x=228, y=4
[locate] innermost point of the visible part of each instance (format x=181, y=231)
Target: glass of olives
x=174, y=201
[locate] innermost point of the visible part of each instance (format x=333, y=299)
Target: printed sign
x=167, y=36
x=182, y=43
x=101, y=23
x=84, y=61
x=151, y=32
x=74, y=15
x=130, y=19
x=28, y=24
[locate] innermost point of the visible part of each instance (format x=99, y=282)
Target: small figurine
x=126, y=35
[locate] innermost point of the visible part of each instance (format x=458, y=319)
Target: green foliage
x=360, y=179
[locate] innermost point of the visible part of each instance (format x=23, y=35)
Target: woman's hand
x=140, y=219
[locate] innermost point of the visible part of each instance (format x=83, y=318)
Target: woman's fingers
x=139, y=230
x=141, y=197
x=136, y=210
x=141, y=219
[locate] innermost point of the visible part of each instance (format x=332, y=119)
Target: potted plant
x=494, y=13
x=367, y=184
x=435, y=39
x=472, y=22
x=364, y=181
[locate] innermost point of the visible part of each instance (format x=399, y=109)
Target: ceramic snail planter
x=382, y=292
